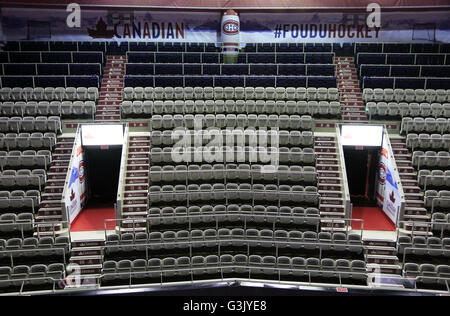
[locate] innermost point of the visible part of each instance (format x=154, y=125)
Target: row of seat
x=65, y=109
x=217, y=58
x=406, y=95
x=229, y=93
x=30, y=124
x=22, y=141
x=438, y=200
x=104, y=46
x=431, y=159
x=38, y=276
x=31, y=243
x=429, y=125
x=52, y=57
x=22, y=178
x=232, y=191
x=434, y=179
x=149, y=108
x=228, y=69
x=19, y=201
x=404, y=48
x=404, y=70
x=416, y=83
x=253, y=266
x=248, y=136
x=107, y=46
x=284, y=155
x=426, y=245
x=166, y=217
x=49, y=94
x=401, y=59
x=441, y=224
x=403, y=109
x=190, y=121
x=338, y=239
x=428, y=275
x=426, y=141
x=12, y=69
x=16, y=225
x=243, y=172
x=205, y=81
x=28, y=159
x=54, y=81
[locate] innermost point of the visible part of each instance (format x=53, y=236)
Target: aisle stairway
x=415, y=205
x=136, y=180
x=330, y=182
x=108, y=108
x=352, y=105
x=86, y=262
x=381, y=256
x=50, y=207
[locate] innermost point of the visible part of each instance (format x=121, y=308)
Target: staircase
x=352, y=105
x=49, y=215
x=415, y=205
x=134, y=203
x=108, y=108
x=86, y=259
x=330, y=184
x=381, y=256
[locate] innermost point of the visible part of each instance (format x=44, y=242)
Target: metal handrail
x=432, y=177
x=37, y=225
x=29, y=280
x=426, y=248
x=218, y=243
x=190, y=270
x=20, y=224
x=120, y=188
x=54, y=249
x=147, y=220
x=348, y=204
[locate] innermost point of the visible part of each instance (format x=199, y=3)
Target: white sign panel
x=361, y=135
x=98, y=135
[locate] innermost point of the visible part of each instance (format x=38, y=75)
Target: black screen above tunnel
x=361, y=166
x=103, y=168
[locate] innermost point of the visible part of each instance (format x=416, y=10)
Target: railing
x=23, y=252
x=219, y=243
x=431, y=177
x=122, y=173
x=225, y=195
x=418, y=67
x=427, y=249
x=21, y=225
x=245, y=217
x=27, y=281
x=25, y=198
x=39, y=225
x=347, y=199
x=243, y=269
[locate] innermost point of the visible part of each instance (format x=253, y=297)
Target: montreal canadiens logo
x=382, y=177
x=81, y=171
x=230, y=27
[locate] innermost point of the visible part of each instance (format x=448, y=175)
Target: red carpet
x=374, y=219
x=93, y=218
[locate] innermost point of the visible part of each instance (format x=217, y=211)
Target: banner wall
x=204, y=26
x=388, y=195
x=75, y=192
